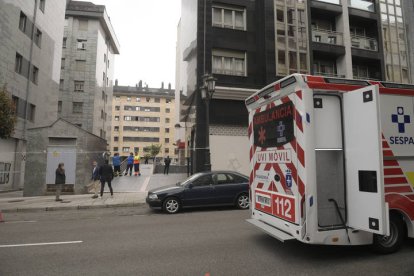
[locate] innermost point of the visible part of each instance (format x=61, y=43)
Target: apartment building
x=143, y=116
x=87, y=63
x=30, y=55
x=249, y=44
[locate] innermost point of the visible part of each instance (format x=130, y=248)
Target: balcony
x=327, y=37
x=336, y=2
x=364, y=43
x=366, y=5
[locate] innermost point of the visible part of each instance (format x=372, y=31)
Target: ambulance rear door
x=366, y=207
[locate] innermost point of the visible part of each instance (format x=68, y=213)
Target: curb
x=79, y=207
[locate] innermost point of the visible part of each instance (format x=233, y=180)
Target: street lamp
x=207, y=91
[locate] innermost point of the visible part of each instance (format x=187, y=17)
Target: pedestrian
x=106, y=173
x=60, y=180
x=137, y=160
x=116, y=161
x=146, y=159
x=95, y=179
x=167, y=162
x=130, y=164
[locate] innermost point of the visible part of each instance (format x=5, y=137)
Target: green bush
x=7, y=114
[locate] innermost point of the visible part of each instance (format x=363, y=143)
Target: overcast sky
x=147, y=33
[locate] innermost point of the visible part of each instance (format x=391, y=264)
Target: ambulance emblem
x=400, y=119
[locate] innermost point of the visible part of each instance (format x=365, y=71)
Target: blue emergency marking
x=308, y=118
x=289, y=178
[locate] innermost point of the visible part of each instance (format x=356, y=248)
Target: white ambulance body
x=332, y=161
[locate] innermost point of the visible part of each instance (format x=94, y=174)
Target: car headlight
x=152, y=196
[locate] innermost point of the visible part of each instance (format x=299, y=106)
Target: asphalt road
x=137, y=241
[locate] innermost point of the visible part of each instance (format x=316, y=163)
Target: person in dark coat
x=60, y=180
x=167, y=162
x=106, y=173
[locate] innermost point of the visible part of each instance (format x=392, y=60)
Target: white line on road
x=38, y=244
x=145, y=185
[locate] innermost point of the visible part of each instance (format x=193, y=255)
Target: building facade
x=249, y=44
x=30, y=56
x=143, y=116
x=88, y=58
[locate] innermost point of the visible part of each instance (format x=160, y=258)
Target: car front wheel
x=243, y=201
x=171, y=205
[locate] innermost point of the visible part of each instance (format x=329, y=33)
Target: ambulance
x=332, y=161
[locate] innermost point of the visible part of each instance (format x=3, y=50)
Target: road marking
x=20, y=221
x=38, y=244
x=145, y=185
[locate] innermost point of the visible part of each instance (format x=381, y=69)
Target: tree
x=153, y=150
x=7, y=114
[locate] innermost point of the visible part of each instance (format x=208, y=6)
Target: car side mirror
x=190, y=186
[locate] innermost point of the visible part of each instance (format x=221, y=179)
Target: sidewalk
x=129, y=192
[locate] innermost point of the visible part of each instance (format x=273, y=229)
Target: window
x=102, y=114
x=117, y=108
x=128, y=99
x=148, y=100
x=116, y=118
x=77, y=107
x=80, y=65
x=229, y=63
x=157, y=100
x=103, y=95
x=59, y=106
x=35, y=74
x=280, y=15
x=125, y=149
x=79, y=86
x=138, y=99
x=38, y=38
x=103, y=77
x=117, y=98
x=15, y=104
x=116, y=129
x=234, y=178
x=83, y=25
x=220, y=179
x=18, y=63
x=42, y=5
x=64, y=42
x=168, y=100
x=167, y=110
x=203, y=180
x=167, y=140
x=229, y=17
x=167, y=130
x=62, y=63
x=78, y=125
x=82, y=44
x=105, y=58
x=167, y=120
x=61, y=84
x=22, y=22
x=116, y=138
x=116, y=149
x=167, y=150
x=66, y=22
x=31, y=112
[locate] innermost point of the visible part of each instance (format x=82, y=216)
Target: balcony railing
x=337, y=2
x=327, y=37
x=365, y=5
x=365, y=43
x=328, y=74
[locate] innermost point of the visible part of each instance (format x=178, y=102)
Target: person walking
x=116, y=161
x=60, y=180
x=106, y=172
x=167, y=162
x=130, y=164
x=146, y=159
x=137, y=160
x=95, y=179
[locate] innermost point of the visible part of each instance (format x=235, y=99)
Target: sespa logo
x=401, y=120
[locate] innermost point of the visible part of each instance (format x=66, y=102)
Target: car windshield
x=190, y=179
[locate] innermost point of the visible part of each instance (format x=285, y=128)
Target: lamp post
x=207, y=91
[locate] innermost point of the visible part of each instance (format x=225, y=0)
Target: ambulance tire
x=393, y=242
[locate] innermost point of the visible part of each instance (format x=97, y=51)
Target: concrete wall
x=229, y=148
x=88, y=146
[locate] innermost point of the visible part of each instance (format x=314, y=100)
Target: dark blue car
x=219, y=188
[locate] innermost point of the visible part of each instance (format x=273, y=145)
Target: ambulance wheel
x=242, y=201
x=171, y=205
x=393, y=242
